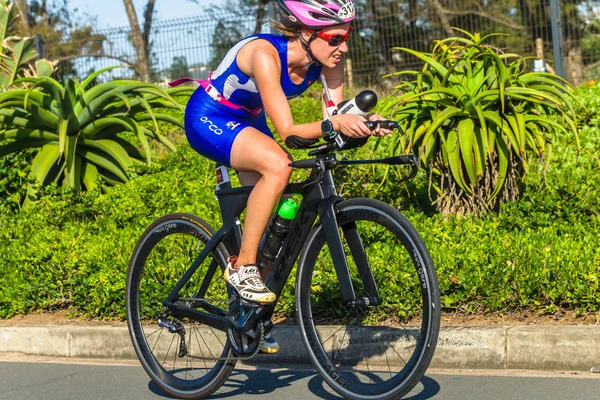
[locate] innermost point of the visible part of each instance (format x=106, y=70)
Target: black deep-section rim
x=416, y=366
x=152, y=366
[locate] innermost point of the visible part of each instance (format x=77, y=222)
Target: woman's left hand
x=378, y=131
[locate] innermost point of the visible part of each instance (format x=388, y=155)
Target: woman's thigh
x=211, y=130
x=253, y=151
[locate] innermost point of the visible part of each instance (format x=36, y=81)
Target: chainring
x=244, y=344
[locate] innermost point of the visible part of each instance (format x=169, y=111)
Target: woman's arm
x=335, y=82
x=264, y=66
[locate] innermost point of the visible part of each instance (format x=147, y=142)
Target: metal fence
x=564, y=33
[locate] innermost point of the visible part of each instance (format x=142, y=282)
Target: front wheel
x=379, y=346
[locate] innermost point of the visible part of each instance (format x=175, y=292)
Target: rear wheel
x=379, y=347
x=183, y=357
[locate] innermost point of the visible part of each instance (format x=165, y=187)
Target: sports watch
x=327, y=128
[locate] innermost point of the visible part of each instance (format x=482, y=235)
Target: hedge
x=542, y=252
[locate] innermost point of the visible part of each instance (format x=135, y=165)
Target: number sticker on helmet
x=347, y=11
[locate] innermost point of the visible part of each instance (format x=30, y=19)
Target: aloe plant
x=17, y=54
x=79, y=130
x=477, y=117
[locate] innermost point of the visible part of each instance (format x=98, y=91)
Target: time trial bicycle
x=366, y=292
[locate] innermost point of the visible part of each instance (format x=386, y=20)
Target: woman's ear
x=305, y=34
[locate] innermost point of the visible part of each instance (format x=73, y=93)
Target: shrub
x=477, y=118
x=71, y=249
x=79, y=129
x=541, y=252
x=17, y=54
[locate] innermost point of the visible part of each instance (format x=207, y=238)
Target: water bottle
x=279, y=229
x=364, y=102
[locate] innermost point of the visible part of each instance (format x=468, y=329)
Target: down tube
x=307, y=214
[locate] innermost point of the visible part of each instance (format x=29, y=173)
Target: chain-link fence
x=564, y=33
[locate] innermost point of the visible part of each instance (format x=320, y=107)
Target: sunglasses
x=333, y=40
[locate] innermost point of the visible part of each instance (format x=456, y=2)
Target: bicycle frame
x=319, y=197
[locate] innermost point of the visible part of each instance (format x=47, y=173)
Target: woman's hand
x=378, y=131
x=351, y=125
x=354, y=125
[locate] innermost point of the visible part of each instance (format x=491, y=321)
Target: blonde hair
x=285, y=30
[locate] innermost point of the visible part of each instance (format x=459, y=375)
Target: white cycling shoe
x=270, y=345
x=247, y=282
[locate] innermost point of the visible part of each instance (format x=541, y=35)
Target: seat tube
x=223, y=182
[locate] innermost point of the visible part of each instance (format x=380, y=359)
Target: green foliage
x=477, y=120
x=17, y=54
x=14, y=177
x=541, y=252
x=225, y=36
x=589, y=94
x=71, y=249
x=80, y=131
x=67, y=32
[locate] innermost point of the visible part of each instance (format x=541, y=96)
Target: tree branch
x=591, y=66
x=499, y=19
x=441, y=14
x=74, y=56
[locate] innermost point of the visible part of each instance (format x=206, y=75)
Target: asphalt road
x=54, y=381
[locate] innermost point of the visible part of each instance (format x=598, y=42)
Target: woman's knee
x=278, y=169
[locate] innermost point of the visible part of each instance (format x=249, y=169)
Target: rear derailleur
x=175, y=326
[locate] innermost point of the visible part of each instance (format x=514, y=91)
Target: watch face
x=327, y=127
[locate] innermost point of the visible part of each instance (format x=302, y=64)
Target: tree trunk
x=22, y=10
x=44, y=12
x=575, y=72
x=441, y=14
x=260, y=14
x=142, y=67
x=148, y=14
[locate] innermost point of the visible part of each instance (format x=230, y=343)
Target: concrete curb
x=568, y=348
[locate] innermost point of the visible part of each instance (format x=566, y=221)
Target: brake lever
x=413, y=161
x=384, y=124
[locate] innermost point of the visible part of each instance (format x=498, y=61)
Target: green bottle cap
x=288, y=209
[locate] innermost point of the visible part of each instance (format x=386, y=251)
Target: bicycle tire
x=163, y=253
x=392, y=328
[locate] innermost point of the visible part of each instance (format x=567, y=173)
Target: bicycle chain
x=186, y=302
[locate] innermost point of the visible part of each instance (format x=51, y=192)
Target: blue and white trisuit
x=229, y=102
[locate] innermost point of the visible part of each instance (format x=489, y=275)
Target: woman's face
x=328, y=55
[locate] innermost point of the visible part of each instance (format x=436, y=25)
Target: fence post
x=38, y=41
x=349, y=74
x=557, y=37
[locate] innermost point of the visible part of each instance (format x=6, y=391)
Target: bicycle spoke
x=157, y=339
x=216, y=336
x=195, y=328
x=376, y=351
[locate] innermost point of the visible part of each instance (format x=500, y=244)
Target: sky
x=111, y=13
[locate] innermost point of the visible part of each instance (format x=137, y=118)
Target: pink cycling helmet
x=315, y=14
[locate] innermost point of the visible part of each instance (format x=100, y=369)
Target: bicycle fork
x=336, y=248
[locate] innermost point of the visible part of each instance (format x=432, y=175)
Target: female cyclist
x=225, y=117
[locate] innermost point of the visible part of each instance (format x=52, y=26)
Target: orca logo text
x=211, y=125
